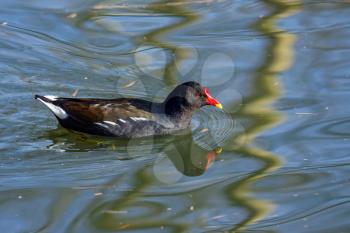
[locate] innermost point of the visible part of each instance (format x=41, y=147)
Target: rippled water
x=276, y=160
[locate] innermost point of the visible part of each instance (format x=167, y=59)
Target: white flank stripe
x=101, y=124
x=59, y=112
x=106, y=124
x=110, y=122
x=51, y=97
x=138, y=119
x=121, y=120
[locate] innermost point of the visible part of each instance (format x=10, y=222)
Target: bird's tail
x=52, y=104
x=43, y=98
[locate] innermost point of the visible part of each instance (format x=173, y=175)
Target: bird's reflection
x=189, y=158
x=181, y=149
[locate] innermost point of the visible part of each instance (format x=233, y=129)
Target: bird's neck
x=178, y=109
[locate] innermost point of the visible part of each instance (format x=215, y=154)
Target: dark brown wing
x=92, y=111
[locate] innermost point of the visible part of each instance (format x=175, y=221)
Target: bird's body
x=129, y=117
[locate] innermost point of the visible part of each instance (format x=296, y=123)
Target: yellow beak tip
x=218, y=150
x=218, y=106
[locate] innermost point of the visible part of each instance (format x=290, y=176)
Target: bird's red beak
x=211, y=100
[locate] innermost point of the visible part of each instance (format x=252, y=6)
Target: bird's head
x=190, y=95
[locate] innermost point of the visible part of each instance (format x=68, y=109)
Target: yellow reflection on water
x=154, y=37
x=257, y=109
x=279, y=58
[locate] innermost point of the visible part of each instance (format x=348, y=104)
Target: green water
x=275, y=160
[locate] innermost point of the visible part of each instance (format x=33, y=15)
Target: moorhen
x=131, y=117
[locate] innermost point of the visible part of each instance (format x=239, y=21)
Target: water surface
x=276, y=160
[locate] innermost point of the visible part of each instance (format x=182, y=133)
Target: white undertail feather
x=59, y=112
x=51, y=97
